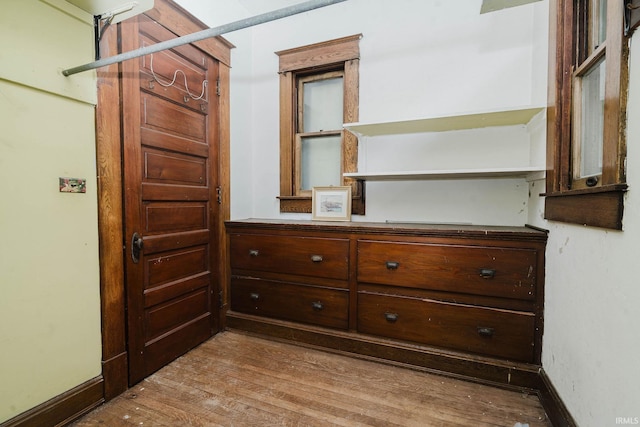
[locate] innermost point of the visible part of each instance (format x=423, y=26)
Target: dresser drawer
x=298, y=303
x=306, y=256
x=479, y=270
x=486, y=331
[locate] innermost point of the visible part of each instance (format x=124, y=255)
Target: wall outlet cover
x=73, y=185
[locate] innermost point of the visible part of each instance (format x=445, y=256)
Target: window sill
x=302, y=204
x=593, y=207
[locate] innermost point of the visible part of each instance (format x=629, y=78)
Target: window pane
x=320, y=161
x=323, y=101
x=592, y=121
x=600, y=21
x=597, y=16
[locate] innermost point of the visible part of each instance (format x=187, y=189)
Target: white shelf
x=467, y=121
x=529, y=173
x=511, y=117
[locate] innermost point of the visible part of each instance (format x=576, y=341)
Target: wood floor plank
x=351, y=404
x=239, y=380
x=360, y=371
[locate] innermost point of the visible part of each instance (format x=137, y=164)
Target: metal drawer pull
x=487, y=273
x=392, y=265
x=254, y=296
x=254, y=252
x=317, y=305
x=316, y=258
x=485, y=332
x=391, y=317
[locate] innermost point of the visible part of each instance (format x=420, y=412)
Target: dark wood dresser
x=465, y=300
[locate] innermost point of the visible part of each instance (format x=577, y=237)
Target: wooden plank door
x=170, y=156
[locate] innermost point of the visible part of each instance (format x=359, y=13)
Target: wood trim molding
x=224, y=213
x=603, y=207
x=287, y=101
x=553, y=405
x=320, y=54
x=114, y=372
x=302, y=204
x=166, y=11
x=110, y=226
x=350, y=160
x=343, y=52
x=600, y=206
x=62, y=409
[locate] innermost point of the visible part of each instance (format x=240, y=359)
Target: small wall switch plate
x=73, y=185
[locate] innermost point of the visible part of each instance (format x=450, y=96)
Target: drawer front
x=491, y=332
x=489, y=271
x=307, y=256
x=318, y=306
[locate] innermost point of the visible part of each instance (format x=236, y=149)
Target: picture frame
x=331, y=203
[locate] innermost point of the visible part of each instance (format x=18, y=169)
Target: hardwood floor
x=239, y=380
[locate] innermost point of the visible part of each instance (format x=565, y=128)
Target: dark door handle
x=136, y=247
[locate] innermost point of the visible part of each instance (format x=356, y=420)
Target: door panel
x=159, y=352
x=162, y=167
x=170, y=162
x=167, y=268
x=157, y=139
x=163, y=318
x=162, y=115
x=167, y=217
x=158, y=294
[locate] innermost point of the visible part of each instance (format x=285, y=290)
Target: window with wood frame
x=318, y=93
x=586, y=147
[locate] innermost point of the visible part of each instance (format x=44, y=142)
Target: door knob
x=136, y=247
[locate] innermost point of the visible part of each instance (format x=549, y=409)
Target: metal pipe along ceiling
x=205, y=34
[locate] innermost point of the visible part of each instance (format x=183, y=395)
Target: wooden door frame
x=110, y=188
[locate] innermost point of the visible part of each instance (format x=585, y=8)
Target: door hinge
x=219, y=194
x=218, y=86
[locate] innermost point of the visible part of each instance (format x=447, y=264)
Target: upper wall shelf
x=529, y=173
x=511, y=117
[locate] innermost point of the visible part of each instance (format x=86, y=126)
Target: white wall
x=592, y=316
x=434, y=57
x=418, y=58
x=49, y=274
x=220, y=12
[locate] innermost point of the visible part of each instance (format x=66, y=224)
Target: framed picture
x=331, y=203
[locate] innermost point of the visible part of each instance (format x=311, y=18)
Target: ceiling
x=255, y=7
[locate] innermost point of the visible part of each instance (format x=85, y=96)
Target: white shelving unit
x=524, y=172
x=511, y=117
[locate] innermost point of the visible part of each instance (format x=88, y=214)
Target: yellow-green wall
x=49, y=273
